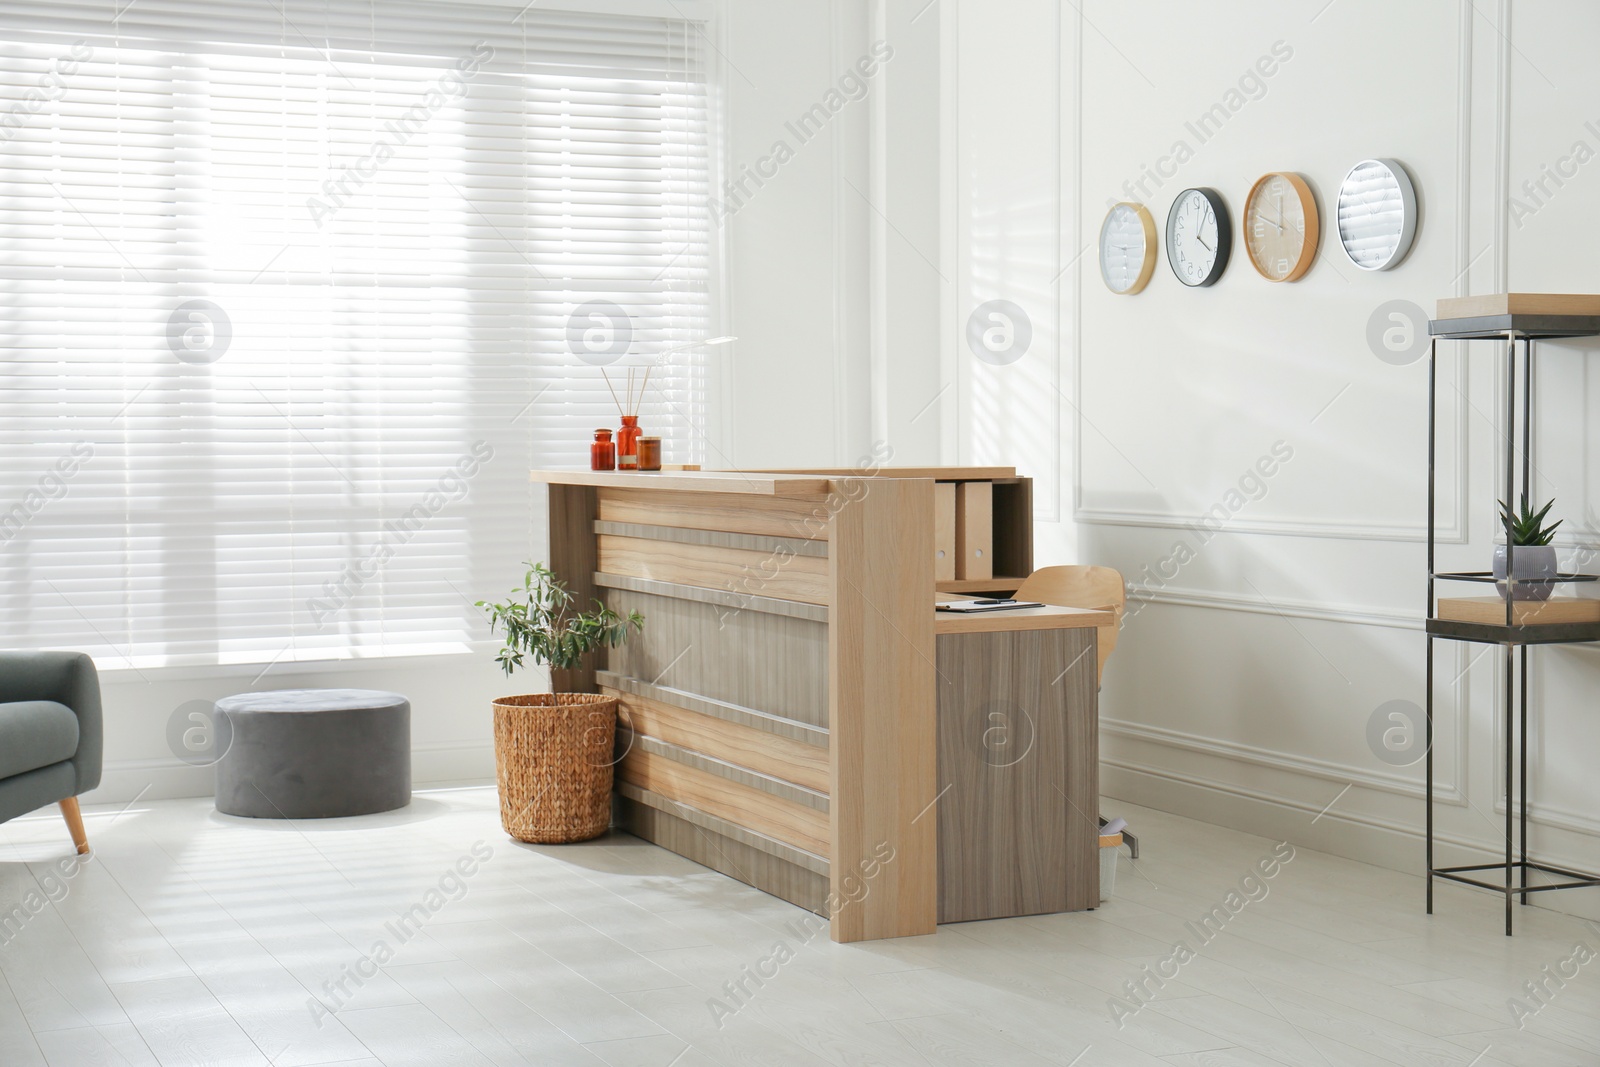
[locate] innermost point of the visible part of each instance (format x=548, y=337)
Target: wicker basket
x=553, y=754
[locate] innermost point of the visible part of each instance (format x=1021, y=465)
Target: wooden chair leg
x=74, y=817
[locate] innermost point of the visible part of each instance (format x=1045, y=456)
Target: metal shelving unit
x=1515, y=639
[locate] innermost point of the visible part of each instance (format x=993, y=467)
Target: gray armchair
x=50, y=734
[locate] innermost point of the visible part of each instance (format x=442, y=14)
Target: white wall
x=1245, y=678
x=834, y=285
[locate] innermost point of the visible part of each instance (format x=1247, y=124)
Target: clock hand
x=1269, y=222
x=1203, y=244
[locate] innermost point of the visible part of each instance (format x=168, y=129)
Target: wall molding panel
x=1451, y=528
x=1478, y=116
x=1298, y=609
x=1453, y=535
x=1273, y=759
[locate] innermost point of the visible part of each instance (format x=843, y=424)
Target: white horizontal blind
x=287, y=295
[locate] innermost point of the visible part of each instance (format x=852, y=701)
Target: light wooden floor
x=194, y=939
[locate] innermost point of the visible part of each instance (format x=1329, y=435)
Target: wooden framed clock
x=1281, y=226
x=1127, y=248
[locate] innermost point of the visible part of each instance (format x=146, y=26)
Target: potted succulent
x=553, y=751
x=1535, y=556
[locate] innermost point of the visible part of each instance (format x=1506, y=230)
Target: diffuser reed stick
x=614, y=399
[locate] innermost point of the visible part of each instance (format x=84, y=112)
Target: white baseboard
x=1274, y=759
x=1354, y=835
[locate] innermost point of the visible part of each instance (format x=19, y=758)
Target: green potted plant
x=1535, y=556
x=553, y=751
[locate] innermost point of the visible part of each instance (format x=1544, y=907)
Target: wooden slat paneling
x=1018, y=766
x=763, y=543
x=772, y=663
x=782, y=788
x=793, y=824
x=723, y=828
x=731, y=856
x=775, y=517
x=738, y=714
x=769, y=574
x=765, y=753
x=735, y=602
x=881, y=706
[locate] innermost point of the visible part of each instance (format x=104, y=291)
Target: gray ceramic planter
x=1532, y=561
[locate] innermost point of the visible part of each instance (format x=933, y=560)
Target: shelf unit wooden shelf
x=978, y=585
x=1479, y=619
x=1007, y=534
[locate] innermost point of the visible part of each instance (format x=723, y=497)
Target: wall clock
x=1127, y=248
x=1281, y=226
x=1199, y=236
x=1377, y=214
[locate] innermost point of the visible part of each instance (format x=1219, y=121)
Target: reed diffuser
x=628, y=411
x=628, y=405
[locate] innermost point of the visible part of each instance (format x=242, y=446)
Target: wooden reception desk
x=796, y=714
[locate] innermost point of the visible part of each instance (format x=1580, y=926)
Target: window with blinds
x=295, y=293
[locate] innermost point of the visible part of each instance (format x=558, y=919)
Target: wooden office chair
x=1081, y=587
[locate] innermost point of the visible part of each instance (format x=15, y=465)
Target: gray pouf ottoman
x=314, y=753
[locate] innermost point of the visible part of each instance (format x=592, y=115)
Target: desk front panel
x=723, y=745
x=1018, y=760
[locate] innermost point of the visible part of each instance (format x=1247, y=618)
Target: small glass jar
x=602, y=453
x=649, y=453
x=628, y=444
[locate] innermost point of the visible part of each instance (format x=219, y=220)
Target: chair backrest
x=1081, y=587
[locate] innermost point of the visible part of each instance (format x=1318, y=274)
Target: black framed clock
x=1199, y=237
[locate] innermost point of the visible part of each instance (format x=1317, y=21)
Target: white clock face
x=1193, y=238
x=1377, y=214
x=1127, y=253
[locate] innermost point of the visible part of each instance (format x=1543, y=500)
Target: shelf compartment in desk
x=978, y=585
